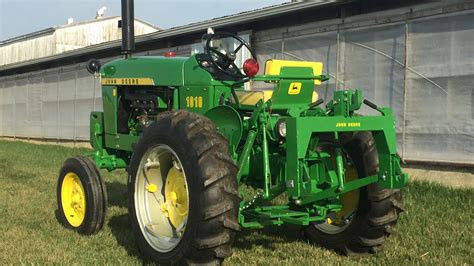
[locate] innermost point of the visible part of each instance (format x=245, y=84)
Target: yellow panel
x=252, y=97
x=273, y=67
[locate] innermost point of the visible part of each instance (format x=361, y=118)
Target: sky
x=19, y=17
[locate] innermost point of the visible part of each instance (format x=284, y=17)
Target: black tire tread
x=96, y=193
x=103, y=191
x=379, y=211
x=219, y=197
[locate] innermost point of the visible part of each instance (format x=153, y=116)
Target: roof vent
x=100, y=13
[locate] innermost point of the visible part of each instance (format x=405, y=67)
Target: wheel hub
x=73, y=199
x=176, y=197
x=349, y=200
x=339, y=221
x=161, y=198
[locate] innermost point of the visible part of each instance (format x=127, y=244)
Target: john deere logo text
x=350, y=124
x=295, y=88
x=127, y=81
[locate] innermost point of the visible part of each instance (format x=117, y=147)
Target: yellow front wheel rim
x=73, y=199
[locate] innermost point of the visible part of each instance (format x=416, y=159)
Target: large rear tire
x=375, y=214
x=183, y=191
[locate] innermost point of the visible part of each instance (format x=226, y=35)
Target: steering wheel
x=225, y=61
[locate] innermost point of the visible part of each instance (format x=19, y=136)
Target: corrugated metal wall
x=66, y=38
x=422, y=68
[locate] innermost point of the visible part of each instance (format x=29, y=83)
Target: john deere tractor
x=191, y=136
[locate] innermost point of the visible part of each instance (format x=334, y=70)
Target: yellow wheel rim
x=73, y=199
x=161, y=198
x=339, y=221
x=176, y=196
x=349, y=200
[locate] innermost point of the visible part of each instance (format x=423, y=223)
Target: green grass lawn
x=437, y=227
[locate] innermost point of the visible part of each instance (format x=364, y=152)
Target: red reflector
x=170, y=54
x=251, y=67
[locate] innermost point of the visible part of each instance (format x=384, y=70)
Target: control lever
x=373, y=106
x=316, y=103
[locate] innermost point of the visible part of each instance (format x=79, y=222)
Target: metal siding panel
x=84, y=103
x=49, y=116
x=20, y=122
x=66, y=104
x=8, y=113
x=34, y=106
x=374, y=61
x=439, y=89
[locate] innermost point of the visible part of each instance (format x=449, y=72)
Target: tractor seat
x=273, y=67
x=251, y=98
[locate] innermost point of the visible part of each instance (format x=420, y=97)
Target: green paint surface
x=271, y=164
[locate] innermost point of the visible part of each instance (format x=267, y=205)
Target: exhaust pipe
x=128, y=34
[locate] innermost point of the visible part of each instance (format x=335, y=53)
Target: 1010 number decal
x=194, y=101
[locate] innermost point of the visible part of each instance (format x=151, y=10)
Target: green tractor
x=191, y=137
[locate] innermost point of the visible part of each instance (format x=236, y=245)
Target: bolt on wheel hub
x=73, y=199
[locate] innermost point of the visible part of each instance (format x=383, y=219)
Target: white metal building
x=65, y=38
x=414, y=56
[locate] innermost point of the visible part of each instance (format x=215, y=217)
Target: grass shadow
x=117, y=194
x=268, y=237
x=16, y=174
x=121, y=229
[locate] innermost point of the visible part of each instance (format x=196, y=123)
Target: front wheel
x=367, y=214
x=183, y=191
x=82, y=196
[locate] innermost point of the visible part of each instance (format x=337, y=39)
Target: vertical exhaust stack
x=128, y=34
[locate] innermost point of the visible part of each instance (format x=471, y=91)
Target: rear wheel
x=183, y=191
x=82, y=196
x=368, y=214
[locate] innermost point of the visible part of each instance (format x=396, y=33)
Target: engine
x=138, y=107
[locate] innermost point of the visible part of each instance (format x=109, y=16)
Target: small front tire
x=81, y=196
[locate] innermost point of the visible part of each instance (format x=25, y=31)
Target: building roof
x=52, y=29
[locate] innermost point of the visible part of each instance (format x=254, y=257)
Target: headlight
x=281, y=128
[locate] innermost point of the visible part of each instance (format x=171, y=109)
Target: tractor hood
x=154, y=70
x=157, y=71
